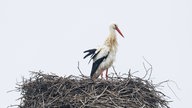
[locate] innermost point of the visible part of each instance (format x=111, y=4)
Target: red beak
x=119, y=31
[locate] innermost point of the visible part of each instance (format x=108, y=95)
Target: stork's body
x=104, y=56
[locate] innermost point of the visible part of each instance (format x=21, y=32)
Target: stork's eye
x=115, y=26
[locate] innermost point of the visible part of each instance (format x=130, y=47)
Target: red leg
x=101, y=74
x=107, y=74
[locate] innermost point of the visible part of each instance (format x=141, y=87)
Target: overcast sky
x=52, y=35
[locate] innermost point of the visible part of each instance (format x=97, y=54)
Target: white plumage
x=104, y=56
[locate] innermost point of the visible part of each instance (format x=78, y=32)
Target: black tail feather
x=90, y=52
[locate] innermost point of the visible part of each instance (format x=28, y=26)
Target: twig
x=13, y=106
x=100, y=95
x=43, y=101
x=80, y=70
x=172, y=89
x=115, y=71
x=149, y=69
x=114, y=102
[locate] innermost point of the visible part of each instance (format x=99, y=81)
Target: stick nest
x=52, y=91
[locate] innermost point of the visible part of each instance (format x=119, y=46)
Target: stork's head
x=114, y=27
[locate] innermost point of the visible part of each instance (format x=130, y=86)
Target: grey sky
x=51, y=36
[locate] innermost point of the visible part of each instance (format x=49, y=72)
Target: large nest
x=52, y=91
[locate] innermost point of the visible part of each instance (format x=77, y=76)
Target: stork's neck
x=111, y=40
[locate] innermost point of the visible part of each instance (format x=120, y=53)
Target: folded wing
x=98, y=56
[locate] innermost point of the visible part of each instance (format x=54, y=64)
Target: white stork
x=104, y=56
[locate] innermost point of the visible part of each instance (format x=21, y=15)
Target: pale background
x=51, y=36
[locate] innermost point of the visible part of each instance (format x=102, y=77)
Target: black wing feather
x=96, y=64
x=90, y=52
x=93, y=56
